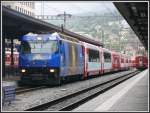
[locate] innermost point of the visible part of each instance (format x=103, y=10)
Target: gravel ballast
x=37, y=97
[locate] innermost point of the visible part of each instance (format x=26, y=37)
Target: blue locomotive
x=49, y=58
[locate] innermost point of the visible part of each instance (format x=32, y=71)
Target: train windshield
x=39, y=47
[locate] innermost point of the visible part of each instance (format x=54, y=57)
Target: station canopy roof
x=16, y=24
x=136, y=14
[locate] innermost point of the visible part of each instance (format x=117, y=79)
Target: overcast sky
x=73, y=7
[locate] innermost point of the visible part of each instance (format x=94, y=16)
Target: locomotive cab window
x=39, y=47
x=25, y=47
x=107, y=57
x=94, y=56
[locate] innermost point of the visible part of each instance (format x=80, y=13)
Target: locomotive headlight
x=52, y=70
x=23, y=70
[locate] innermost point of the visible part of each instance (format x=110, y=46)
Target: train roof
x=106, y=50
x=43, y=37
x=139, y=56
x=90, y=46
x=46, y=37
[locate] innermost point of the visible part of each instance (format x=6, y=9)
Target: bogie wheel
x=58, y=79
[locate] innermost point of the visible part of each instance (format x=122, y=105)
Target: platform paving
x=131, y=95
x=38, y=97
x=136, y=99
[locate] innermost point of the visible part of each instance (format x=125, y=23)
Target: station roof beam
x=16, y=24
x=136, y=14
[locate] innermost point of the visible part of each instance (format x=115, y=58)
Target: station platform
x=131, y=95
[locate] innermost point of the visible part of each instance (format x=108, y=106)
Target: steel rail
x=71, y=101
x=22, y=90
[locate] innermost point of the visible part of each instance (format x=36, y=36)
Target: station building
x=25, y=7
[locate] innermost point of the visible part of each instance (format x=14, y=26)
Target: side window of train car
x=140, y=59
x=122, y=60
x=94, y=56
x=107, y=57
x=126, y=60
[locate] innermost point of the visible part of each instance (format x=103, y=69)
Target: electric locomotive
x=49, y=58
x=140, y=62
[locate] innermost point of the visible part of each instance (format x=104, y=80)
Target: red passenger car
x=8, y=58
x=140, y=62
x=92, y=60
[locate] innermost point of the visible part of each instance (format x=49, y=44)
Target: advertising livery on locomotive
x=49, y=58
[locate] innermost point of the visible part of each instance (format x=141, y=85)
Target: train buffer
x=8, y=94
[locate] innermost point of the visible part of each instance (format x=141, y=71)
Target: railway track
x=71, y=101
x=21, y=90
